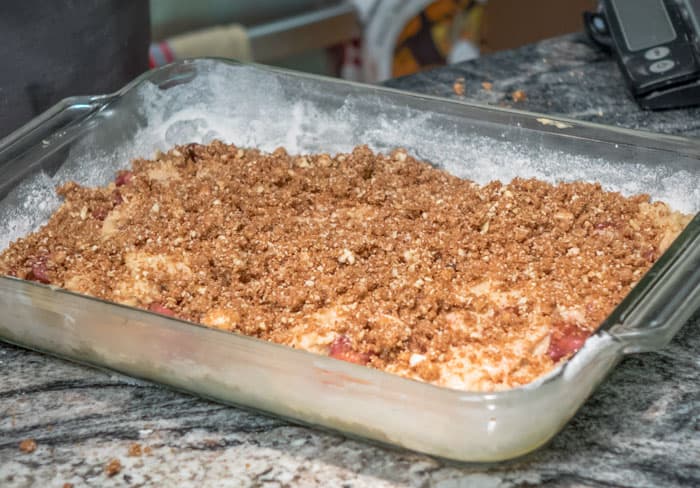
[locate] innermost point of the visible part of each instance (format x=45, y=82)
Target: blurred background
x=78, y=47
x=364, y=40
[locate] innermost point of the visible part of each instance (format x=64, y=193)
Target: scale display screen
x=644, y=23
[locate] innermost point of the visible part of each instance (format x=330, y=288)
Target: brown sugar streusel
x=375, y=259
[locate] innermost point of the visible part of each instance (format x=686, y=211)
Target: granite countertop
x=640, y=429
x=560, y=76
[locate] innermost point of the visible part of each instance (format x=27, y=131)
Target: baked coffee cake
x=376, y=259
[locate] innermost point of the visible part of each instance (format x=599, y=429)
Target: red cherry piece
x=39, y=273
x=341, y=348
x=604, y=225
x=566, y=339
x=161, y=309
x=100, y=213
x=123, y=178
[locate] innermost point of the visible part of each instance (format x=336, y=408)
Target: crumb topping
x=376, y=259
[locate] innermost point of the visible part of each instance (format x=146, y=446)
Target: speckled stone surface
x=640, y=429
x=561, y=76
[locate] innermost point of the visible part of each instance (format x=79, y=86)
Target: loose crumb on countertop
x=27, y=446
x=518, y=96
x=113, y=467
x=134, y=450
x=377, y=259
x=458, y=87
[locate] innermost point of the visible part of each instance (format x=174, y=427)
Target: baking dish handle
x=670, y=296
x=58, y=118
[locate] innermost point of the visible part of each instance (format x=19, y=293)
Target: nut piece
x=341, y=348
x=347, y=257
x=27, y=446
x=416, y=359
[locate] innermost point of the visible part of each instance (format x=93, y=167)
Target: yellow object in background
x=428, y=38
x=400, y=37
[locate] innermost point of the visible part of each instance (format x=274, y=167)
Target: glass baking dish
x=89, y=138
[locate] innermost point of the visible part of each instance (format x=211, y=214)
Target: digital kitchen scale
x=657, y=46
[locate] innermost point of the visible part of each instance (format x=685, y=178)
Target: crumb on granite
x=113, y=467
x=27, y=446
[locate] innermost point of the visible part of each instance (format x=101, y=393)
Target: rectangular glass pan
x=89, y=138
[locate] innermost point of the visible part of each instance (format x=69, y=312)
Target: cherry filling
x=100, y=213
x=117, y=198
x=123, y=178
x=566, y=339
x=39, y=273
x=161, y=309
x=341, y=348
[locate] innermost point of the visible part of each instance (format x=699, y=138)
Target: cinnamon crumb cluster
x=377, y=259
